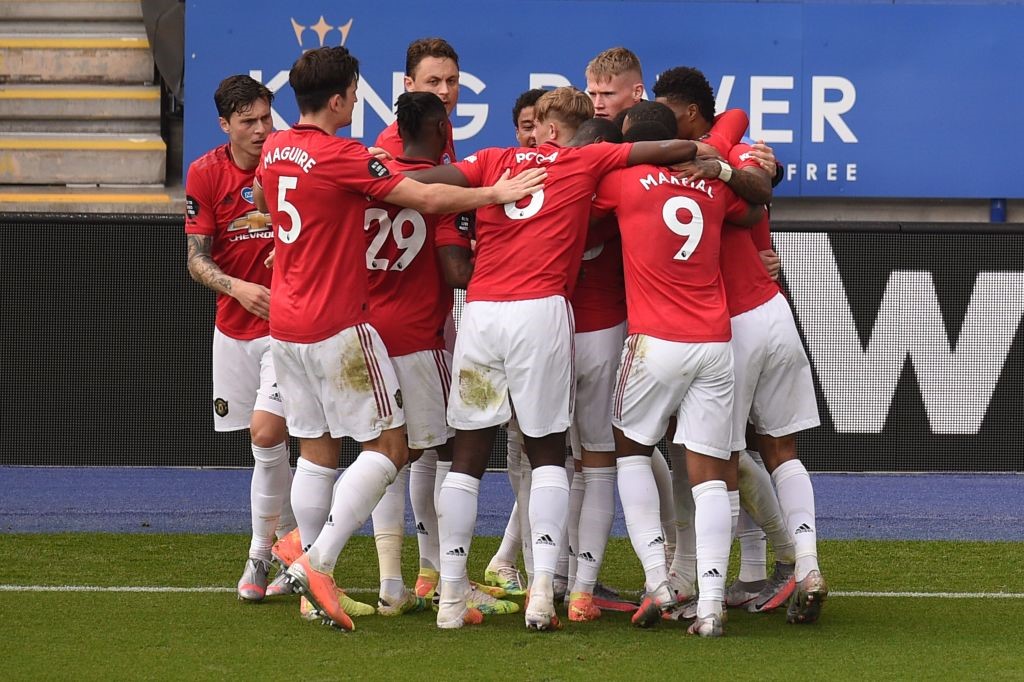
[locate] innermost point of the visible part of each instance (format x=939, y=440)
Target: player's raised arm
x=662, y=153
x=443, y=198
x=446, y=174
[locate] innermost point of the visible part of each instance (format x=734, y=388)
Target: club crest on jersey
x=191, y=207
x=446, y=159
x=220, y=406
x=398, y=398
x=378, y=169
x=247, y=194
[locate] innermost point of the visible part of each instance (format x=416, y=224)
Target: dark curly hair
x=687, y=85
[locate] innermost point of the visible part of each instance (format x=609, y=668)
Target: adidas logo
x=804, y=528
x=545, y=540
x=656, y=541
x=330, y=520
x=713, y=573
x=458, y=551
x=421, y=529
x=586, y=556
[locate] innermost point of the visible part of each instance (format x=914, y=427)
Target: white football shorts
x=344, y=385
x=774, y=388
x=243, y=381
x=426, y=380
x=514, y=350
x=597, y=359
x=659, y=379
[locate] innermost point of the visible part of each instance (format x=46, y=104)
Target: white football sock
x=512, y=539
x=456, y=520
x=639, y=494
x=734, y=513
x=523, y=507
x=421, y=493
x=796, y=497
x=562, y=568
x=753, y=549
x=388, y=532
x=596, y=515
x=549, y=508
x=271, y=480
x=712, y=521
x=666, y=500
x=684, y=560
x=577, y=489
x=312, y=488
x=355, y=495
x=758, y=499
x=442, y=470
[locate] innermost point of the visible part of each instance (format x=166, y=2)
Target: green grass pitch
x=129, y=635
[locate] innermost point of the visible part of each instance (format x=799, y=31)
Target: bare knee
x=267, y=429
x=393, y=444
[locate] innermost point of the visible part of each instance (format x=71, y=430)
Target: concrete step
x=77, y=102
x=53, y=28
x=61, y=126
x=84, y=58
x=80, y=10
x=62, y=159
x=138, y=199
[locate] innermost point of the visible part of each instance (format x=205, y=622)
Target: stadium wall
x=912, y=330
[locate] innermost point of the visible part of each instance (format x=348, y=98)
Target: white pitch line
x=357, y=590
x=932, y=595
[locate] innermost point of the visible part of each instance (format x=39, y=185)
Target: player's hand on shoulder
x=508, y=189
x=765, y=156
x=772, y=262
x=380, y=153
x=254, y=297
x=698, y=169
x=704, y=149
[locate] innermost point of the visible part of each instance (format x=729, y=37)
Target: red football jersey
x=409, y=299
x=747, y=283
x=533, y=248
x=671, y=237
x=218, y=204
x=599, y=301
x=727, y=130
x=390, y=141
x=317, y=188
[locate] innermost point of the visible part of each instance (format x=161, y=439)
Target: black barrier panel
x=106, y=345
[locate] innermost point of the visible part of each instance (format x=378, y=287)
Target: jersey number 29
x=385, y=227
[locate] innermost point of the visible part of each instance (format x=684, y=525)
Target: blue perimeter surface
x=171, y=500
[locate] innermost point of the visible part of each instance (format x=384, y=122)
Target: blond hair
x=612, y=62
x=569, y=105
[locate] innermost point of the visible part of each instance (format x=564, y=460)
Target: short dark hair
x=642, y=131
x=595, y=129
x=428, y=47
x=687, y=85
x=238, y=93
x=320, y=74
x=527, y=99
x=416, y=110
x=645, y=110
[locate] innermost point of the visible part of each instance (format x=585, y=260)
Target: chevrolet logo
x=253, y=221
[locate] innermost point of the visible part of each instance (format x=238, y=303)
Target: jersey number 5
x=693, y=229
x=385, y=226
x=285, y=183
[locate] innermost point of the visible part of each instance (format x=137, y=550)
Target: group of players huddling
x=620, y=289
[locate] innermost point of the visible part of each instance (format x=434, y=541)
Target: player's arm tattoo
x=456, y=265
x=752, y=184
x=201, y=266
